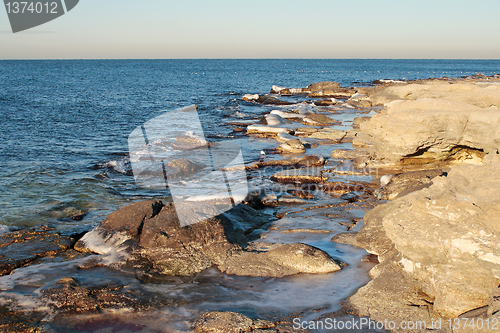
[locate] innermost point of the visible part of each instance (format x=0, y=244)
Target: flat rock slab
x=20, y=248
x=404, y=183
x=309, y=175
x=229, y=322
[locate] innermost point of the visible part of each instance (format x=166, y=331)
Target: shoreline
x=295, y=136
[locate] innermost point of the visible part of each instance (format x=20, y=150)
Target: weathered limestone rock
x=445, y=237
x=431, y=121
x=148, y=234
x=329, y=134
x=182, y=168
x=292, y=146
x=318, y=120
x=402, y=184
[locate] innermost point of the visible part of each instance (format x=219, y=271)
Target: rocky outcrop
x=401, y=184
x=148, y=235
x=20, y=248
x=319, y=89
x=436, y=121
x=440, y=243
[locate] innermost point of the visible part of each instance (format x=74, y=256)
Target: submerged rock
x=20, y=248
x=182, y=168
x=329, y=134
x=148, y=235
x=294, y=146
x=319, y=120
x=230, y=322
x=434, y=121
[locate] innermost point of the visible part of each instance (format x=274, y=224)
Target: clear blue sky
x=262, y=29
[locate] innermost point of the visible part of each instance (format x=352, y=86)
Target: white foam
x=4, y=229
x=112, y=246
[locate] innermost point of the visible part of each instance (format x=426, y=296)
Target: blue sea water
x=65, y=123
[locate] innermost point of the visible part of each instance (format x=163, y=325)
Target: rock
x=318, y=120
x=278, y=260
x=309, y=175
x=274, y=120
x=432, y=121
x=69, y=296
x=290, y=200
x=348, y=238
x=292, y=146
x=182, y=167
x=298, y=162
x=148, y=235
x=228, y=322
x=284, y=137
x=250, y=97
x=329, y=134
x=402, y=184
x=350, y=196
x=288, y=115
x=445, y=238
x=322, y=86
x=271, y=100
x=325, y=102
x=305, y=131
x=189, y=142
x=361, y=104
x=20, y=248
x=358, y=120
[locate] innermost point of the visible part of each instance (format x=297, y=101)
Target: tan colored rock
x=292, y=146
x=434, y=127
x=228, y=322
x=445, y=237
x=329, y=134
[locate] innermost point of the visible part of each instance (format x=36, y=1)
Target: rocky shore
x=425, y=166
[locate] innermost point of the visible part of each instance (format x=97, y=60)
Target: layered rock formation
x=436, y=121
x=441, y=244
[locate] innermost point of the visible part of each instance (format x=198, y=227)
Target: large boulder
x=426, y=122
x=446, y=238
x=148, y=234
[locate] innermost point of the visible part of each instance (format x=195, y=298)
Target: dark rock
x=322, y=86
x=229, y=322
x=309, y=175
x=319, y=120
x=271, y=100
x=150, y=238
x=189, y=142
x=182, y=168
x=22, y=247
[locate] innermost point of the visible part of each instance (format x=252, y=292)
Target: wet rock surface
x=153, y=234
x=20, y=248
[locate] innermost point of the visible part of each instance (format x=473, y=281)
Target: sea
x=65, y=127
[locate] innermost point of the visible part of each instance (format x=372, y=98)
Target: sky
x=162, y=29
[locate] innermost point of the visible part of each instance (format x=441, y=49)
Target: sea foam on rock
x=151, y=236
